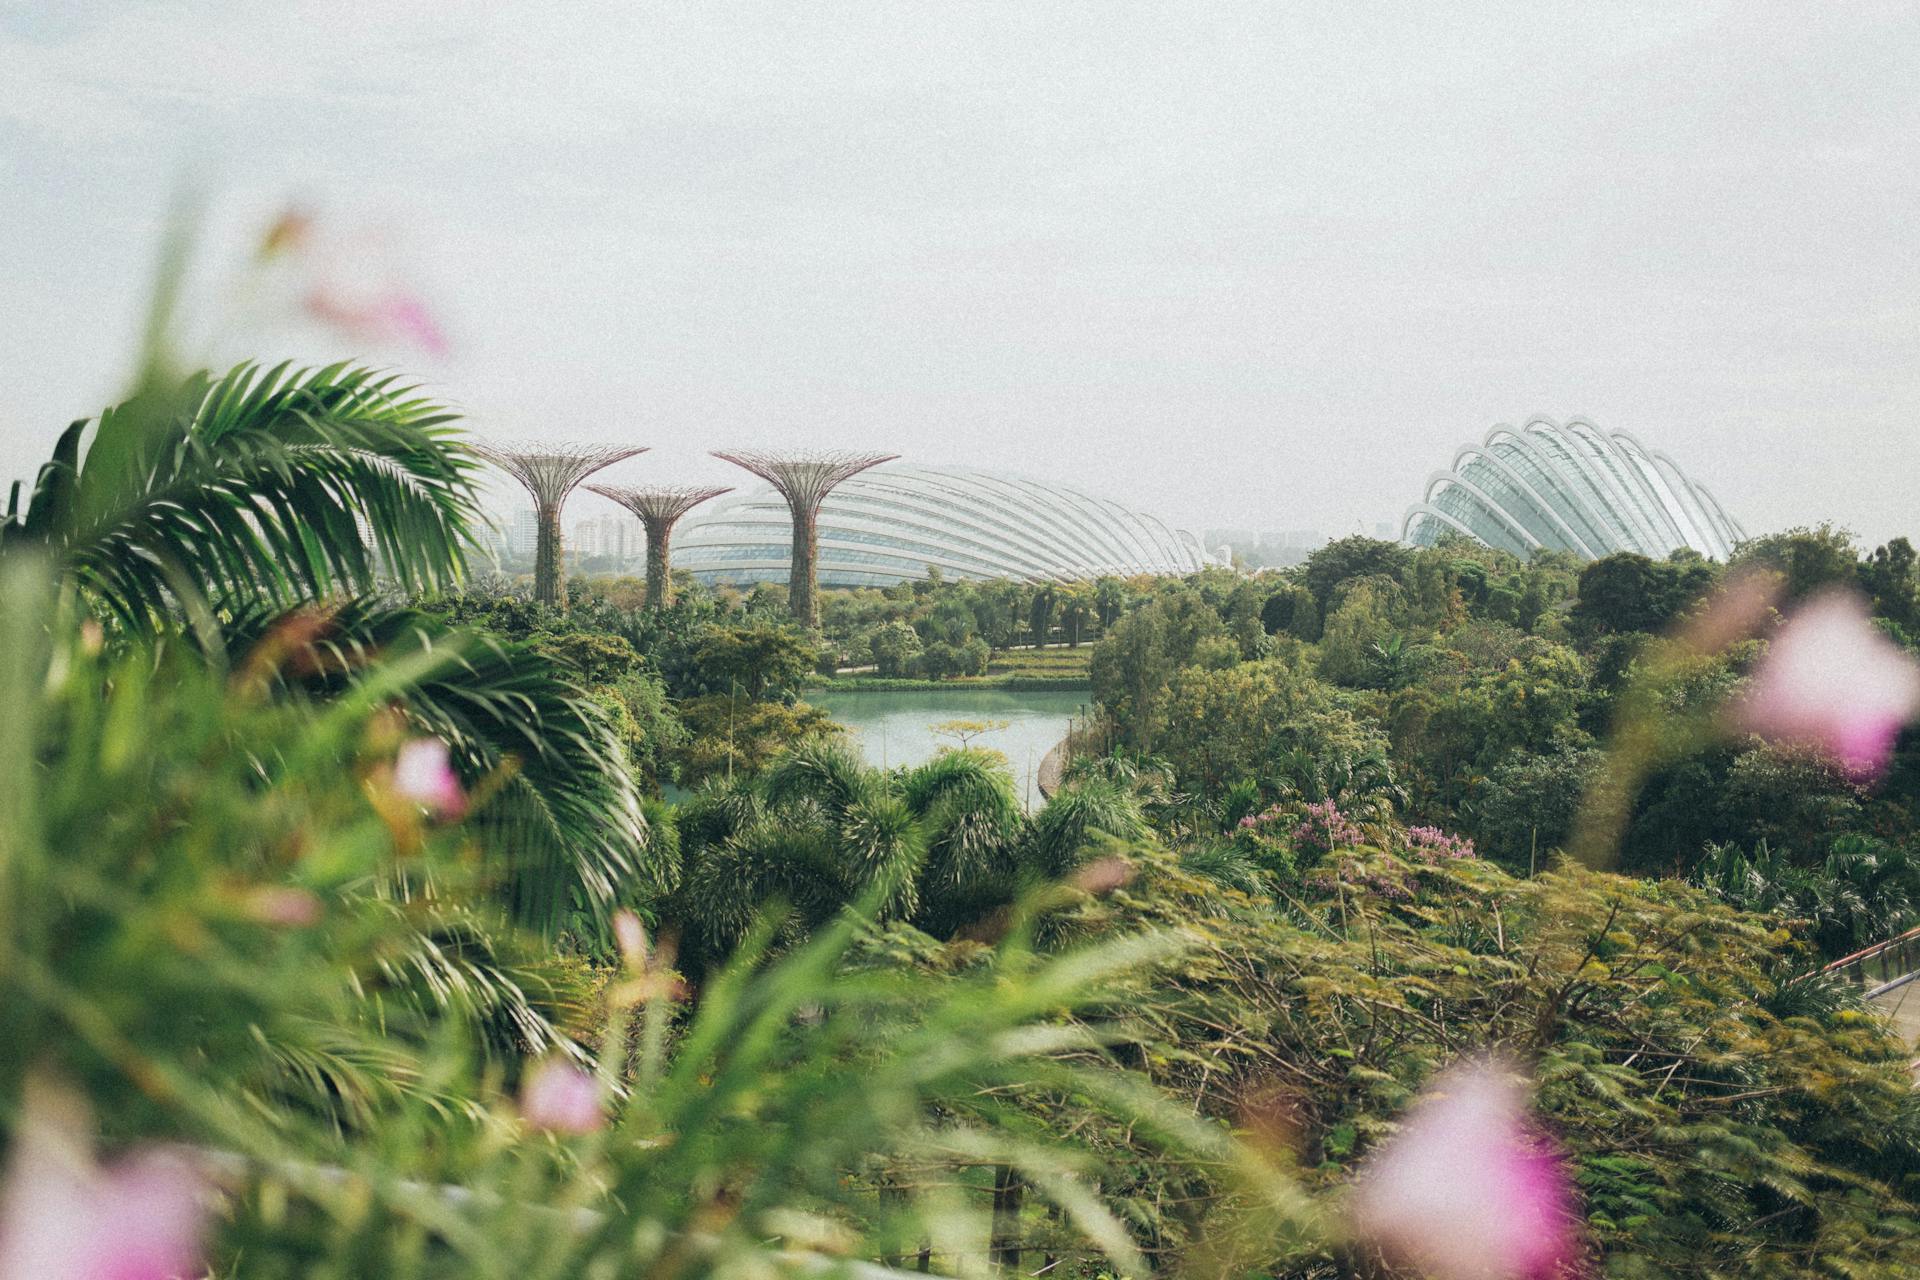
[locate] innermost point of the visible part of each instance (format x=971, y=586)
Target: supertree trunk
x=658, y=508
x=659, y=567
x=805, y=479
x=549, y=560
x=801, y=596
x=550, y=470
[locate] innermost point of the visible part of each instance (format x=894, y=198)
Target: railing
x=1884, y=966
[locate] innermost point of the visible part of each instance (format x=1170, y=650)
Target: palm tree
x=256, y=489
x=561, y=816
x=1359, y=781
x=1076, y=606
x=941, y=846
x=237, y=505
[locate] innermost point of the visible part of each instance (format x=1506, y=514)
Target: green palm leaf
x=270, y=487
x=565, y=824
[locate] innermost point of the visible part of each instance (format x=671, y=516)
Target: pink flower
x=285, y=906
x=631, y=937
x=389, y=318
x=1430, y=844
x=64, y=1218
x=422, y=774
x=1102, y=876
x=1465, y=1191
x=561, y=1098
x=1832, y=680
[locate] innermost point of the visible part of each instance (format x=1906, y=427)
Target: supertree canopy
x=551, y=469
x=804, y=478
x=658, y=508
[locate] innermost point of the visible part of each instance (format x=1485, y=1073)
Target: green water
x=897, y=728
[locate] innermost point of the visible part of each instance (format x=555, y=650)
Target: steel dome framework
x=1574, y=488
x=890, y=524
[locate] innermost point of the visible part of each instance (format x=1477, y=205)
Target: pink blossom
x=64, y=1218
x=1831, y=679
x=285, y=906
x=1431, y=844
x=422, y=774
x=561, y=1098
x=1465, y=1191
x=392, y=317
x=631, y=937
x=1327, y=829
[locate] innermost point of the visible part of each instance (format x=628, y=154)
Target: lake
x=897, y=728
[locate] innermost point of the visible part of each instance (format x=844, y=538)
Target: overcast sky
x=1253, y=263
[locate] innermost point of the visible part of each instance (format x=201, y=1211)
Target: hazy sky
x=1239, y=263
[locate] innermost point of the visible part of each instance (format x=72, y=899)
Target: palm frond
x=263, y=487
x=563, y=821
x=1072, y=818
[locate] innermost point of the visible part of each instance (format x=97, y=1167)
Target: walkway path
x=1052, y=766
x=1902, y=1007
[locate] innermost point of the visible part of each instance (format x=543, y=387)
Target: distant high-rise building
x=523, y=532
x=1270, y=548
x=617, y=537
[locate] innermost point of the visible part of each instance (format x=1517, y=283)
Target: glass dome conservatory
x=1571, y=488
x=890, y=524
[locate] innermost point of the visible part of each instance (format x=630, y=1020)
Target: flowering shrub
x=1431, y=844
x=1326, y=829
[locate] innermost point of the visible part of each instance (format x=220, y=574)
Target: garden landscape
x=438, y=842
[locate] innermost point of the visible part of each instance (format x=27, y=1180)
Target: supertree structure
x=658, y=507
x=551, y=470
x=804, y=478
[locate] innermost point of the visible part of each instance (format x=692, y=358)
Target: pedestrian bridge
x=1889, y=973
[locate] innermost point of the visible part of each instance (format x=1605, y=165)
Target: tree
x=1527, y=806
x=1110, y=597
x=257, y=489
x=1348, y=558
x=1130, y=669
x=1358, y=625
x=965, y=731
x=1076, y=605
x=1807, y=560
x=561, y=823
x=942, y=846
x=1290, y=608
x=731, y=736
x=895, y=647
x=1040, y=612
x=1628, y=592
x=594, y=657
x=760, y=659
x=1244, y=721
x=1889, y=577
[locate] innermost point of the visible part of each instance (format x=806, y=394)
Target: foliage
x=1628, y=592
x=944, y=846
x=562, y=818
x=727, y=735
x=1806, y=560
x=1711, y=1136
x=253, y=490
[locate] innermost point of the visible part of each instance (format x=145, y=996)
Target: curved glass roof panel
x=1572, y=487
x=891, y=523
